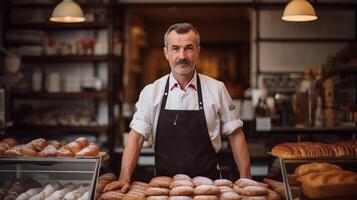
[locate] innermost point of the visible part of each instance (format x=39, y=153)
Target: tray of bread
x=315, y=150
x=327, y=178
x=41, y=148
x=183, y=187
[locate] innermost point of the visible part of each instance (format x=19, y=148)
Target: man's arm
x=129, y=160
x=240, y=152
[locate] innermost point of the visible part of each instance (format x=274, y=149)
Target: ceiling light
x=299, y=11
x=67, y=11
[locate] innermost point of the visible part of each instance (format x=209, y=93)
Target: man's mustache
x=182, y=62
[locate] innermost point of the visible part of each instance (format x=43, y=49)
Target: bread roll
x=10, y=141
x=223, y=182
x=243, y=182
x=134, y=196
x=223, y=189
x=108, y=177
x=206, y=190
x=112, y=195
x=253, y=198
x=205, y=197
x=272, y=195
x=229, y=196
x=182, y=177
x=180, y=198
x=91, y=150
x=59, y=194
x=181, y=191
x=156, y=191
x=28, y=194
x=14, y=151
x=331, y=184
x=181, y=182
x=83, y=141
x=161, y=181
x=75, y=194
x=200, y=180
x=254, y=191
x=157, y=198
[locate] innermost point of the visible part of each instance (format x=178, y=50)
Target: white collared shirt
x=221, y=115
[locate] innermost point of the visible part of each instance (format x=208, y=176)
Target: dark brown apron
x=182, y=143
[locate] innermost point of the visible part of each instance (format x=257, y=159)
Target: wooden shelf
x=59, y=95
x=66, y=58
x=57, y=26
x=38, y=128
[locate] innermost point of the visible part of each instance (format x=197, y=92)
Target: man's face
x=182, y=52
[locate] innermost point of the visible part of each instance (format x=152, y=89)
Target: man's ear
x=198, y=50
x=165, y=52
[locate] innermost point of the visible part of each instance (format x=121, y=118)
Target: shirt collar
x=173, y=83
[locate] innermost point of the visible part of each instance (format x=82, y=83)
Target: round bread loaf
x=182, y=182
x=206, y=190
x=243, y=182
x=237, y=189
x=223, y=182
x=181, y=191
x=229, y=196
x=200, y=180
x=180, y=198
x=254, y=191
x=157, y=198
x=182, y=177
x=156, y=191
x=205, y=197
x=161, y=181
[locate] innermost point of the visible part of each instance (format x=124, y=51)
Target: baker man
x=185, y=114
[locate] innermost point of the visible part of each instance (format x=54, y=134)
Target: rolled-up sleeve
x=228, y=113
x=141, y=122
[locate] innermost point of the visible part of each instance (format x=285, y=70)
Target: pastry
x=90, y=150
x=39, y=144
x=180, y=198
x=59, y=194
x=223, y=189
x=157, y=198
x=75, y=147
x=49, y=151
x=112, y=195
x=27, y=150
x=243, y=182
x=63, y=152
x=205, y=197
x=229, y=196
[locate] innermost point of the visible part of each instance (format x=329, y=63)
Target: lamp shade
x=67, y=11
x=299, y=11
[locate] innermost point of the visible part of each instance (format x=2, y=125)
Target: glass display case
x=293, y=185
x=77, y=172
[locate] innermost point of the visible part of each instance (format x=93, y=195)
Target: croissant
x=91, y=150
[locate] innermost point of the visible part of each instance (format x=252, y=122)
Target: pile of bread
x=183, y=187
x=290, y=150
x=29, y=189
x=42, y=148
x=325, y=180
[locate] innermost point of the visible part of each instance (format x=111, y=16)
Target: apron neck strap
x=166, y=93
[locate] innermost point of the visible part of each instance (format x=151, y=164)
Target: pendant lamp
x=67, y=11
x=299, y=11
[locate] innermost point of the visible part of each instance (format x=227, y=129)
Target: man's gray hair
x=182, y=28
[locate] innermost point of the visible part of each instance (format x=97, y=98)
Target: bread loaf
x=330, y=184
x=161, y=181
x=315, y=167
